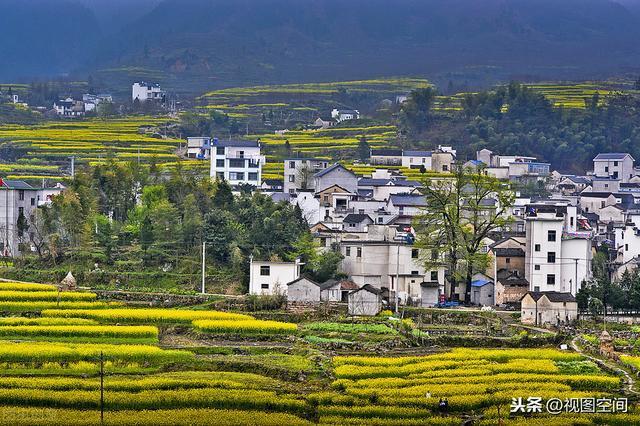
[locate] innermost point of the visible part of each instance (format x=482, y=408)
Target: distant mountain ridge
x=219, y=43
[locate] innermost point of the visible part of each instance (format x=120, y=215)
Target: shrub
x=349, y=327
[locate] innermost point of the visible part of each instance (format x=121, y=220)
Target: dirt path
x=629, y=381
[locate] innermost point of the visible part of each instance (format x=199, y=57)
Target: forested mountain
x=214, y=43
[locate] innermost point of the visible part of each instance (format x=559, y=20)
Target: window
x=220, y=150
x=414, y=272
x=264, y=286
x=434, y=254
x=507, y=260
x=571, y=221
x=536, y=267
x=236, y=163
x=359, y=252
x=551, y=279
x=292, y=164
x=602, y=204
x=352, y=225
x=292, y=178
x=551, y=257
x=551, y=235
x=380, y=220
x=253, y=176
x=33, y=201
x=536, y=247
x=265, y=270
x=241, y=154
x=445, y=168
x=21, y=195
x=626, y=247
x=20, y=211
x=606, y=169
x=414, y=253
x=434, y=275
x=292, y=191
x=236, y=175
x=615, y=163
x=219, y=163
x=347, y=251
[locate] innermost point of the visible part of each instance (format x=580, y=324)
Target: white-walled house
x=416, y=159
x=548, y=308
x=19, y=198
x=341, y=115
x=310, y=206
x=299, y=172
x=147, y=92
x=336, y=174
x=199, y=147
x=614, y=165
x=237, y=162
x=406, y=204
x=269, y=278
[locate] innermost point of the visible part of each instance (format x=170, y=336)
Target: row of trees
x=514, y=119
x=120, y=213
x=601, y=291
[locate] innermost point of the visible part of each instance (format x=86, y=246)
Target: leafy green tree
x=105, y=236
x=364, y=149
x=191, y=222
x=218, y=234
x=416, y=111
x=146, y=233
x=460, y=213
x=223, y=197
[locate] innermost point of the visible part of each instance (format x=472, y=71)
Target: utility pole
x=101, y=388
x=395, y=294
x=5, y=251
x=204, y=253
x=575, y=260
x=73, y=166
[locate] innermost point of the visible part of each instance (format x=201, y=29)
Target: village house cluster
x=538, y=264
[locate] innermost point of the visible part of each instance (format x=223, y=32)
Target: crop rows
x=149, y=316
x=30, y=352
x=148, y=334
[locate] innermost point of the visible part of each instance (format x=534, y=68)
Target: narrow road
x=629, y=381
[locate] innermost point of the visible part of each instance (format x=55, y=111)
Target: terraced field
x=266, y=373
x=50, y=144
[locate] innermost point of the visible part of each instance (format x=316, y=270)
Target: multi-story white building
x=18, y=198
x=147, y=92
x=298, y=173
x=614, y=165
x=558, y=252
x=238, y=162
